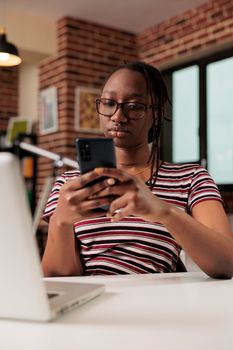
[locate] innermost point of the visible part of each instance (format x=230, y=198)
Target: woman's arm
x=61, y=256
x=205, y=235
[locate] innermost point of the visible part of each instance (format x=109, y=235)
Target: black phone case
x=95, y=152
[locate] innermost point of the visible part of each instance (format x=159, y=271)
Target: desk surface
x=157, y=311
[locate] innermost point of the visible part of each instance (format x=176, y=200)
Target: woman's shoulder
x=182, y=168
x=70, y=174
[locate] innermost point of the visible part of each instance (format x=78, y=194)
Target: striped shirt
x=134, y=245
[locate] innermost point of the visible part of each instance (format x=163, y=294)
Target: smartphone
x=95, y=152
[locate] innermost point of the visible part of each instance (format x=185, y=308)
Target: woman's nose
x=119, y=116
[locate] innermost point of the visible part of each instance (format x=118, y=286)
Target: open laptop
x=23, y=292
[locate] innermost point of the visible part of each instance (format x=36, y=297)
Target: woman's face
x=126, y=86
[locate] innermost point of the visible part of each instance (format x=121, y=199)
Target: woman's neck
x=133, y=157
x=135, y=161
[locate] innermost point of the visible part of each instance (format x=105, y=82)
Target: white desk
x=183, y=311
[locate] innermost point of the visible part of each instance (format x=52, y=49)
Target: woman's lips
x=117, y=131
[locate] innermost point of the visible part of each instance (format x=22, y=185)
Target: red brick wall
x=86, y=53
x=8, y=95
x=198, y=31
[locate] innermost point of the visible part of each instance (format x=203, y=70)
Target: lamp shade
x=9, y=55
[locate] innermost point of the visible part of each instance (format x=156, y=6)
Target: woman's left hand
x=133, y=197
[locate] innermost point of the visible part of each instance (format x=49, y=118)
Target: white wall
x=28, y=90
x=35, y=37
x=30, y=33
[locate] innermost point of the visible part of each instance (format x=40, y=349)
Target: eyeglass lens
x=132, y=110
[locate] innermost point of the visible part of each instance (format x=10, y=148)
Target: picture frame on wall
x=48, y=110
x=86, y=119
x=16, y=127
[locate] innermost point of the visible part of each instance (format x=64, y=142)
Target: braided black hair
x=158, y=93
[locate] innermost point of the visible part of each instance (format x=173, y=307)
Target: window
x=202, y=116
x=220, y=120
x=185, y=138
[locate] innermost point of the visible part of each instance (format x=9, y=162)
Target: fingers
x=116, y=189
x=113, y=173
x=87, y=185
x=84, y=180
x=91, y=204
x=84, y=199
x=119, y=208
x=120, y=214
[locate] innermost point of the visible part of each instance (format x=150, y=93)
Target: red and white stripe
x=134, y=245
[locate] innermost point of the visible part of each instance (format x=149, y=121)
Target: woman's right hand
x=77, y=199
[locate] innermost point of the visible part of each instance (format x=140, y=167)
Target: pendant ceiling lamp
x=9, y=55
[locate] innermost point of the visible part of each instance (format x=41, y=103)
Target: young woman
x=155, y=208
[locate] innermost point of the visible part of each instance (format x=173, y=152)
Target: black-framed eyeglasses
x=131, y=110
